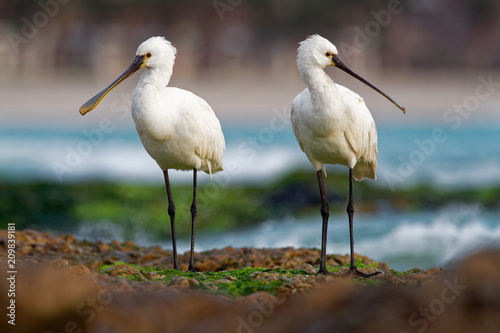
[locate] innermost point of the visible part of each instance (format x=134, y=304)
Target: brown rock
x=56, y=264
x=180, y=281
x=31, y=262
x=66, y=248
x=321, y=278
x=23, y=249
x=102, y=247
x=79, y=270
x=155, y=252
x=220, y=281
x=193, y=283
x=258, y=299
x=130, y=244
x=25, y=237
x=259, y=275
x=154, y=276
x=483, y=267
x=69, y=238
x=124, y=271
x=230, y=278
x=308, y=268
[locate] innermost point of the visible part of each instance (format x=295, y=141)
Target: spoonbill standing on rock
x=178, y=129
x=333, y=126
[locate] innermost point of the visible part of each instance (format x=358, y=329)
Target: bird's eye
x=148, y=55
x=328, y=54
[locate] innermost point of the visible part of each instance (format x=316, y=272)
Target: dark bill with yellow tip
x=137, y=64
x=336, y=61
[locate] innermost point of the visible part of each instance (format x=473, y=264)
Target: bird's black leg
x=324, y=213
x=171, y=213
x=350, y=212
x=194, y=210
x=353, y=271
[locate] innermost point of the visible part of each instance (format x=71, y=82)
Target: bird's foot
x=323, y=271
x=353, y=273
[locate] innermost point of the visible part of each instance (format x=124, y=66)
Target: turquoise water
x=469, y=156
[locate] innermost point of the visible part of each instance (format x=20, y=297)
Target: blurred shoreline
x=250, y=95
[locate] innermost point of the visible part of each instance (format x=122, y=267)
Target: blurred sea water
x=406, y=155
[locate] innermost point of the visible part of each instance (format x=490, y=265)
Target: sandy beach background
x=250, y=94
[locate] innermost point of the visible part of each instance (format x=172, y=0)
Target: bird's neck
x=150, y=86
x=157, y=78
x=322, y=88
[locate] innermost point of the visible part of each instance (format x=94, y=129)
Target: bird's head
x=154, y=53
x=318, y=52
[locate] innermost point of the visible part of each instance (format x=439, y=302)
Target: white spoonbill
x=178, y=129
x=333, y=126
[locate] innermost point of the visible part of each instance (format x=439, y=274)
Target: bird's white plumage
x=331, y=123
x=178, y=129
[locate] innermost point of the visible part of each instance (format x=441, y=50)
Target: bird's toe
x=353, y=273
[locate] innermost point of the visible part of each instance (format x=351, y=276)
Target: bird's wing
x=206, y=130
x=297, y=104
x=296, y=130
x=360, y=132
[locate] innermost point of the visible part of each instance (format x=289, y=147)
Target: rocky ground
x=67, y=285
